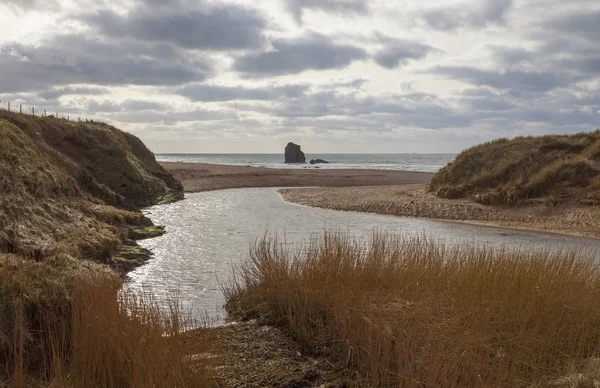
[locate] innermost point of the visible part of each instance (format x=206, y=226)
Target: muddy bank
x=415, y=201
x=197, y=177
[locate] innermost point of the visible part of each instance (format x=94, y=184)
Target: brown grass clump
x=416, y=313
x=508, y=172
x=65, y=324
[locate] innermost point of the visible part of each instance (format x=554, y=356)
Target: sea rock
x=293, y=154
x=318, y=161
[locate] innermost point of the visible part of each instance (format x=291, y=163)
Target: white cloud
x=369, y=76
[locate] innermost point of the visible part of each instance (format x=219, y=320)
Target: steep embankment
x=74, y=188
x=559, y=169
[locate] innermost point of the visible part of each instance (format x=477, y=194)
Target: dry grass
x=508, y=172
x=62, y=182
x=415, y=313
x=67, y=325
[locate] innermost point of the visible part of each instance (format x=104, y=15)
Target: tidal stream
x=210, y=232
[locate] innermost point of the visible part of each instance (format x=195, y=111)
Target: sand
x=415, y=201
x=197, y=177
x=399, y=193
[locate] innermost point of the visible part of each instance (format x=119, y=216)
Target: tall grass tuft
x=97, y=337
x=412, y=312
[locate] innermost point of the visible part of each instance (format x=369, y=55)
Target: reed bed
x=413, y=312
x=84, y=332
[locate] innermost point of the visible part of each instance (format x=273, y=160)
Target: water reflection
x=210, y=232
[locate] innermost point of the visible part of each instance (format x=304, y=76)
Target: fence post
x=44, y=112
x=68, y=119
x=20, y=108
x=9, y=106
x=33, y=110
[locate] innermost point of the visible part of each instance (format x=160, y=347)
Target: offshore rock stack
x=293, y=154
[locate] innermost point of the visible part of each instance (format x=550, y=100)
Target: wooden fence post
x=20, y=108
x=33, y=110
x=44, y=112
x=9, y=106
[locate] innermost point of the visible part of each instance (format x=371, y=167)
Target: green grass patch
x=147, y=232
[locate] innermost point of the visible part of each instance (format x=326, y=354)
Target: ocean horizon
x=404, y=162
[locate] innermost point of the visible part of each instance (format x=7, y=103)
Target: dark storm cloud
x=291, y=56
x=475, y=14
x=52, y=94
x=518, y=80
x=74, y=59
x=297, y=7
x=399, y=52
x=227, y=27
x=208, y=93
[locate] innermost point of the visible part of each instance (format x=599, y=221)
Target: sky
x=335, y=76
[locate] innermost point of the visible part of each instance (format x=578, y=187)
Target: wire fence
x=31, y=110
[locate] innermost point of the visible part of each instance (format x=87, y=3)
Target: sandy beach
x=415, y=201
x=197, y=177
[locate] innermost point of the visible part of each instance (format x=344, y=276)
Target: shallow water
x=208, y=232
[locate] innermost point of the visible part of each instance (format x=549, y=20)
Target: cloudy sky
x=331, y=75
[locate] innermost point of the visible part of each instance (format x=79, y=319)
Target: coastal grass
x=508, y=172
x=65, y=323
x=74, y=188
x=412, y=312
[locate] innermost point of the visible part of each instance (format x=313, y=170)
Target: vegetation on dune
x=73, y=188
x=70, y=192
x=415, y=313
x=509, y=172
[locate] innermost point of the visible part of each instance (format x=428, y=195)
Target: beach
x=198, y=177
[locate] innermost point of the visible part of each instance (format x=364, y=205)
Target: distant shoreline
x=393, y=162
x=197, y=177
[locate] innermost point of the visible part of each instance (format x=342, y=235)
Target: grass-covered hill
x=510, y=172
x=73, y=188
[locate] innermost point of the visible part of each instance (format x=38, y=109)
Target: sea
x=404, y=162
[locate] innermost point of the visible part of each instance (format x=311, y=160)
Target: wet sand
x=415, y=201
x=198, y=177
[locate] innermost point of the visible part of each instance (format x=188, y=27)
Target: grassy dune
x=414, y=313
x=509, y=172
x=73, y=187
